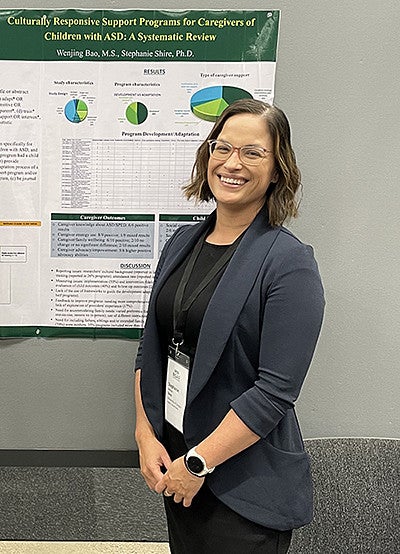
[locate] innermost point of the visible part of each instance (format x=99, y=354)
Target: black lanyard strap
x=181, y=308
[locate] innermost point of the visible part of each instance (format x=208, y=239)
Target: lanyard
x=181, y=308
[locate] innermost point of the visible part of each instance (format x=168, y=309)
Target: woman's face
x=233, y=182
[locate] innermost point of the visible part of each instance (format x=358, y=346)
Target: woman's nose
x=234, y=159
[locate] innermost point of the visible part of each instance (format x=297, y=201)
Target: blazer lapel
x=151, y=381
x=228, y=300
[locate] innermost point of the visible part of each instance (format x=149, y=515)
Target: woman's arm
x=153, y=456
x=292, y=319
x=230, y=437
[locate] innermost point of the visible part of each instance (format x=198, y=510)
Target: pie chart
x=136, y=113
x=76, y=111
x=208, y=103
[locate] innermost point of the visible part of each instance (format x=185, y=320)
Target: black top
x=209, y=255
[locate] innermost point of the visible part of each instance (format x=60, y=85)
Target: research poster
x=101, y=114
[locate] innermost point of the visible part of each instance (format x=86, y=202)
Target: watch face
x=195, y=464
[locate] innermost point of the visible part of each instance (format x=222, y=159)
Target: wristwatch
x=196, y=464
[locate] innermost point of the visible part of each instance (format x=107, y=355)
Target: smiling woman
x=270, y=124
x=240, y=176
x=234, y=316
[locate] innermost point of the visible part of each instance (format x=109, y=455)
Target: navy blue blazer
x=255, y=345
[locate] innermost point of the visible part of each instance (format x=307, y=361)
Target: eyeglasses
x=249, y=155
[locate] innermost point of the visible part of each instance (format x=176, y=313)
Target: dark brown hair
x=282, y=195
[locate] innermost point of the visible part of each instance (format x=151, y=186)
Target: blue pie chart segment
x=76, y=111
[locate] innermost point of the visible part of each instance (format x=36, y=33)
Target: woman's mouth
x=231, y=181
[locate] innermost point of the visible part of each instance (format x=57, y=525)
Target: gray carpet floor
x=78, y=504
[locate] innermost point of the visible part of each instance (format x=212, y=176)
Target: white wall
x=337, y=81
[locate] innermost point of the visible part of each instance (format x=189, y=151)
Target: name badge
x=177, y=385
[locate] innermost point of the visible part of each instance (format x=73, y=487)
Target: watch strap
x=192, y=453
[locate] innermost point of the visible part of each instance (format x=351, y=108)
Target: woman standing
x=233, y=321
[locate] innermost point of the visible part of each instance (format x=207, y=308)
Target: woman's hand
x=153, y=458
x=178, y=482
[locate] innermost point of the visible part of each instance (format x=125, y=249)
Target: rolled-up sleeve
x=292, y=318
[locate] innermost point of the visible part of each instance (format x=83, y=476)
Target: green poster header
x=113, y=218
x=139, y=35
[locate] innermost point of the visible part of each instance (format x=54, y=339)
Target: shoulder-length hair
x=281, y=196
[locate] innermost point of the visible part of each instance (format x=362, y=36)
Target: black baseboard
x=69, y=458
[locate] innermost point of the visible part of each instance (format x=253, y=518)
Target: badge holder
x=177, y=384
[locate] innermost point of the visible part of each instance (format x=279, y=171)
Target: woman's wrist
x=143, y=432
x=228, y=439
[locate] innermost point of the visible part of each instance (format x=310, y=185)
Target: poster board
x=101, y=114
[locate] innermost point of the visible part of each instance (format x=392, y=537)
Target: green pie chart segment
x=209, y=111
x=208, y=103
x=76, y=111
x=136, y=113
